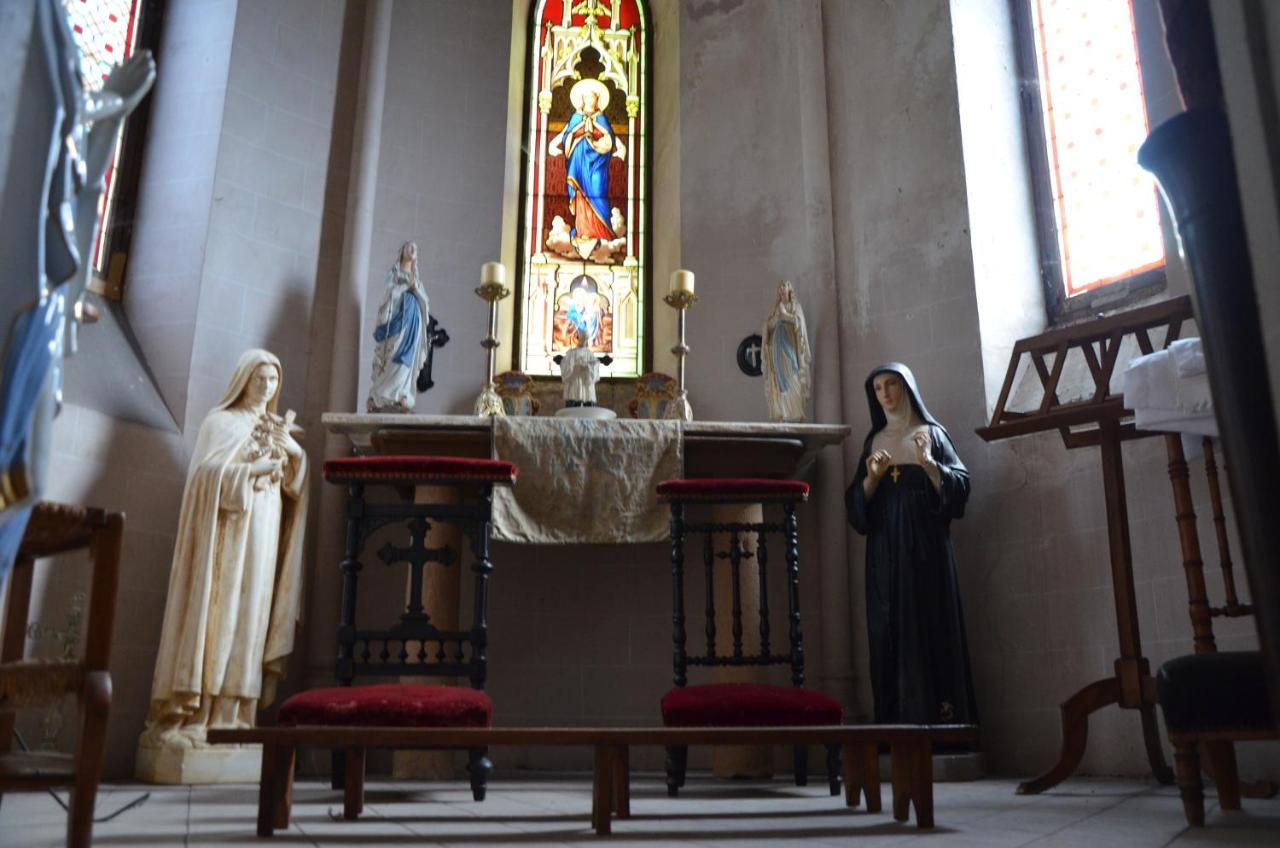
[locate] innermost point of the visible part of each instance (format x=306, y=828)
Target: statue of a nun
x=236, y=584
x=786, y=359
x=401, y=336
x=909, y=486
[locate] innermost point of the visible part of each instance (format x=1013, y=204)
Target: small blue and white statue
x=403, y=335
x=787, y=361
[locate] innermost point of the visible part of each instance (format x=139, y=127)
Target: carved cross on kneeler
x=416, y=556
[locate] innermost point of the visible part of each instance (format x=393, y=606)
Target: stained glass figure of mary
x=786, y=358
x=587, y=143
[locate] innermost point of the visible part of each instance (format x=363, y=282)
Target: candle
x=493, y=272
x=682, y=281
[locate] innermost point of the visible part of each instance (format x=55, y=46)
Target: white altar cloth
x=584, y=481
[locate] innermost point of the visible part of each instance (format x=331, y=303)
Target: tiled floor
x=548, y=811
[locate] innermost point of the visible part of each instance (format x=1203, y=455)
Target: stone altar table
x=710, y=449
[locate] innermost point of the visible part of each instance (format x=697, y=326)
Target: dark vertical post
x=792, y=530
x=350, y=568
x=735, y=573
x=677, y=593
x=709, y=567
x=482, y=568
x=762, y=563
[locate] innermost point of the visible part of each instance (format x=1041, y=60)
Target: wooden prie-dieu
x=1099, y=421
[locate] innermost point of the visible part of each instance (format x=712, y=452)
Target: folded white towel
x=1188, y=357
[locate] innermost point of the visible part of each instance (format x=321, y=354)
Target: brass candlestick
x=491, y=290
x=680, y=301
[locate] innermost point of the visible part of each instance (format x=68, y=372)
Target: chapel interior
x=754, y=408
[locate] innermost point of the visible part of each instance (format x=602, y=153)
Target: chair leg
x=833, y=769
x=1187, y=766
x=337, y=769
x=353, y=791
x=1222, y=755
x=800, y=754
x=479, y=768
x=677, y=760
x=288, y=759
x=622, y=782
x=94, y=708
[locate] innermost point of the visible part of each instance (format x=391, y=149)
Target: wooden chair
x=741, y=704
x=1211, y=699
x=24, y=683
x=413, y=646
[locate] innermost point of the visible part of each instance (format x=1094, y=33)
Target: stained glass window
x=583, y=266
x=106, y=31
x=1094, y=114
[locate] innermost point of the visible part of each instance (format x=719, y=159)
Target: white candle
x=493, y=272
x=682, y=281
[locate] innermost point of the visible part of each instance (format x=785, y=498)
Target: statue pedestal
x=597, y=412
x=222, y=764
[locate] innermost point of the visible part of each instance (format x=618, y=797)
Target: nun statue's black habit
x=919, y=660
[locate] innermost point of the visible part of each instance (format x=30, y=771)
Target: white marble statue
x=53, y=168
x=236, y=583
x=401, y=335
x=787, y=362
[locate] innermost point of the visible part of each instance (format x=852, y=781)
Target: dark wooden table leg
x=1075, y=732
x=286, y=761
x=854, y=768
x=902, y=766
x=353, y=791
x=602, y=790
x=922, y=784
x=622, y=782
x=267, y=790
x=870, y=755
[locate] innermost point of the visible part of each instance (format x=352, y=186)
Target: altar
x=705, y=448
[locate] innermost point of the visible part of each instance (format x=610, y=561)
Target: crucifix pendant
x=895, y=474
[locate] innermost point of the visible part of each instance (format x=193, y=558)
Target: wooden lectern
x=1099, y=421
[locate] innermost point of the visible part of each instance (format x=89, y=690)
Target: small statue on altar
x=403, y=335
x=580, y=370
x=786, y=361
x=909, y=486
x=236, y=583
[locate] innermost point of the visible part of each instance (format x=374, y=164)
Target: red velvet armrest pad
x=389, y=705
x=748, y=705
x=733, y=488
x=444, y=469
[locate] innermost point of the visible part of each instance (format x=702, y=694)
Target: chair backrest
x=1202, y=611
x=728, y=549
x=55, y=529
x=654, y=391
x=515, y=390
x=414, y=645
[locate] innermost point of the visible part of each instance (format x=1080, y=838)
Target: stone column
x=348, y=319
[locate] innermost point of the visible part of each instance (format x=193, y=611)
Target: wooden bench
x=910, y=748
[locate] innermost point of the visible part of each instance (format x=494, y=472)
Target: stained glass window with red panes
x=106, y=31
x=1106, y=214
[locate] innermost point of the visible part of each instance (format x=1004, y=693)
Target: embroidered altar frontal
x=585, y=482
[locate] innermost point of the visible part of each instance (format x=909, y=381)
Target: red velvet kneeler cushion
x=748, y=705
x=720, y=489
x=389, y=705
x=419, y=469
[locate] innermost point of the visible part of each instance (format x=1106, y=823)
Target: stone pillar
x=348, y=319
